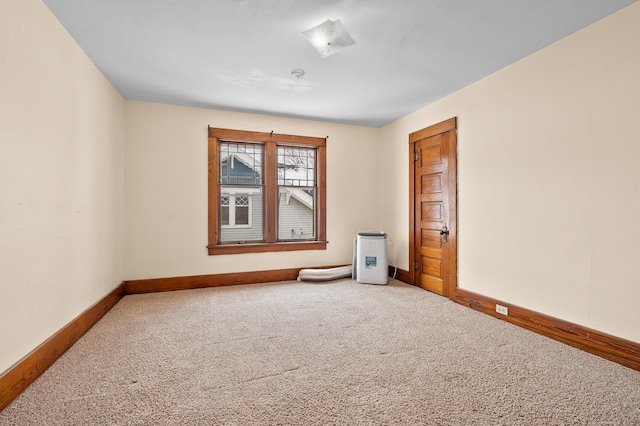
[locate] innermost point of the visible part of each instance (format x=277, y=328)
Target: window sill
x=266, y=247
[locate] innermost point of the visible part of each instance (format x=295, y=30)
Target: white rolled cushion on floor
x=325, y=274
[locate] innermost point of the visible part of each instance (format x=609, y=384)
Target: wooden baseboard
x=401, y=275
x=17, y=378
x=154, y=285
x=216, y=280
x=616, y=349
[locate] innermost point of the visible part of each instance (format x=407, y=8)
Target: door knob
x=444, y=233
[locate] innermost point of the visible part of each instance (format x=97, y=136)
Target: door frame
x=450, y=126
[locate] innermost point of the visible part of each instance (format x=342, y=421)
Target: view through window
x=266, y=192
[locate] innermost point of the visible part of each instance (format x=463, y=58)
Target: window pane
x=296, y=213
x=245, y=214
x=296, y=166
x=242, y=215
x=224, y=210
x=240, y=164
x=224, y=215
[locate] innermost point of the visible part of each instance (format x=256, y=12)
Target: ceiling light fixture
x=329, y=37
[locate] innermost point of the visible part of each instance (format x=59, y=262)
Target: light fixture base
x=329, y=37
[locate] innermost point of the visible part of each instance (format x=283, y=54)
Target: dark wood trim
x=217, y=280
x=270, y=194
x=17, y=378
x=452, y=200
x=604, y=345
x=412, y=214
x=154, y=285
x=213, y=212
x=321, y=199
x=251, y=136
x=401, y=275
x=266, y=247
x=436, y=129
x=270, y=141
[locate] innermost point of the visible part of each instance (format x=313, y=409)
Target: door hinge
x=416, y=156
x=415, y=266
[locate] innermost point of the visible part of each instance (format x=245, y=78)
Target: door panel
x=431, y=211
x=431, y=184
x=432, y=266
x=432, y=284
x=432, y=178
x=431, y=238
x=431, y=157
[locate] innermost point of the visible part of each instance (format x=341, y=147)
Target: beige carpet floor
x=337, y=353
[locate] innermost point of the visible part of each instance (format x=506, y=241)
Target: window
x=240, y=192
x=296, y=193
x=266, y=192
x=235, y=211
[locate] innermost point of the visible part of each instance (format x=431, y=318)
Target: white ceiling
x=238, y=54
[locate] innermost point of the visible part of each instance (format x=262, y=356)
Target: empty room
x=303, y=212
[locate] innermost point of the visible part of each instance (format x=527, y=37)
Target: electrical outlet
x=502, y=310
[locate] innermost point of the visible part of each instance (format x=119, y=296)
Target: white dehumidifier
x=370, y=264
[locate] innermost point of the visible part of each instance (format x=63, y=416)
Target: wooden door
x=434, y=208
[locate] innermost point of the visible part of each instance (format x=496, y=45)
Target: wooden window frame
x=270, y=142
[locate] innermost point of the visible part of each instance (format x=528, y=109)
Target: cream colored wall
x=61, y=180
x=166, y=191
x=549, y=178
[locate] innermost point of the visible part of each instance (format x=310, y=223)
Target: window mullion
x=271, y=193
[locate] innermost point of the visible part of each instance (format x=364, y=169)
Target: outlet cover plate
x=502, y=309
